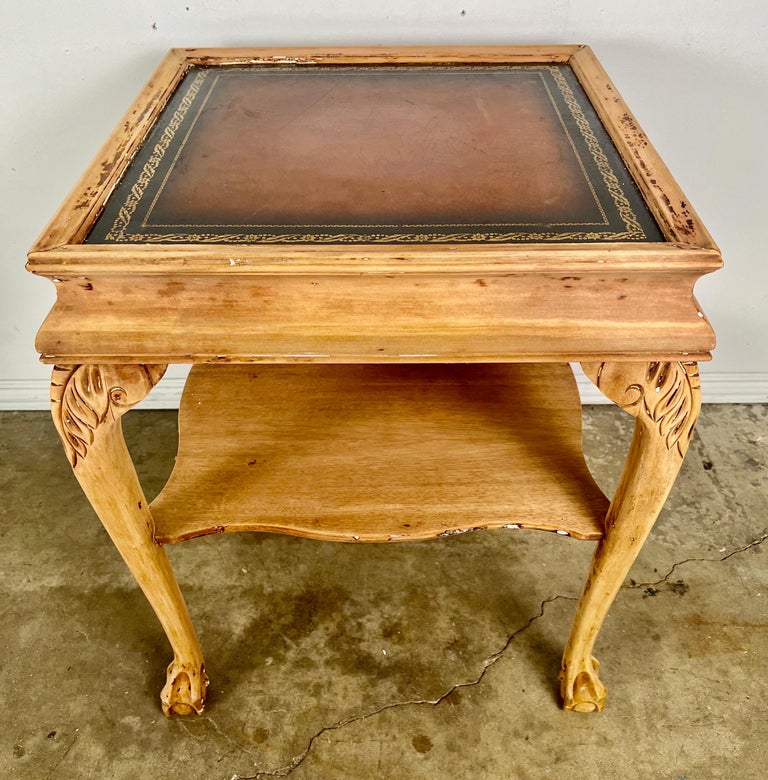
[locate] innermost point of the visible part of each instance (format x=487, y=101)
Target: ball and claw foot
x=581, y=688
x=184, y=690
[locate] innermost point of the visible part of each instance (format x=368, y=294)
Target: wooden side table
x=380, y=263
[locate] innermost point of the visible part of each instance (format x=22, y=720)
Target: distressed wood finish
x=506, y=312
x=76, y=215
x=625, y=310
x=87, y=402
x=93, y=259
x=353, y=55
x=666, y=399
x=399, y=452
x=669, y=205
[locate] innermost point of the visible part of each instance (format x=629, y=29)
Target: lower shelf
x=376, y=453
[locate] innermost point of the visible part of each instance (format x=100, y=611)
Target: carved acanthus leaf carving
x=677, y=394
x=86, y=396
x=666, y=395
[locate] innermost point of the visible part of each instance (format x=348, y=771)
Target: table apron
x=183, y=317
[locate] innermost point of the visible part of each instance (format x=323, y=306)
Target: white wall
x=695, y=73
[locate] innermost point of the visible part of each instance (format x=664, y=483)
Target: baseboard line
x=732, y=387
x=716, y=388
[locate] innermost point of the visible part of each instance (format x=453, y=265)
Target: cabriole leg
x=87, y=402
x=666, y=399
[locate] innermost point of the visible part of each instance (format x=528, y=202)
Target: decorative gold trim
x=575, y=151
x=634, y=231
x=601, y=161
x=373, y=238
x=125, y=215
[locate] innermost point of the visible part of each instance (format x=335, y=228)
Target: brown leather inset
x=377, y=148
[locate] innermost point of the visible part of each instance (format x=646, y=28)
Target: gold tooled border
x=136, y=193
x=377, y=238
x=610, y=179
x=634, y=231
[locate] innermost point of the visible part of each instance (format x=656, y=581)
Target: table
x=380, y=263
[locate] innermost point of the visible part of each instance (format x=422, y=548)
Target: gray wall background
x=694, y=73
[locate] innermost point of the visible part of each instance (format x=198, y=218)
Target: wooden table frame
x=625, y=311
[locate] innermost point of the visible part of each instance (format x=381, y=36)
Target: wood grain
x=233, y=316
x=350, y=55
x=379, y=453
x=83, y=260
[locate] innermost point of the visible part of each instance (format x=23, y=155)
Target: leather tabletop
x=394, y=154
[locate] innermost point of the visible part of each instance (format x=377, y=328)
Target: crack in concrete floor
x=488, y=662
x=754, y=543
x=732, y=493
x=55, y=767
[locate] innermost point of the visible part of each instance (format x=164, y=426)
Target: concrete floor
x=424, y=660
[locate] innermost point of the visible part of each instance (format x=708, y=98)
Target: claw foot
x=580, y=686
x=184, y=689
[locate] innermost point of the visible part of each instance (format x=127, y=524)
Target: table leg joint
x=666, y=397
x=85, y=397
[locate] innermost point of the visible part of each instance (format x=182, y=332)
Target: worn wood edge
x=669, y=205
x=235, y=358
x=373, y=258
x=77, y=213
x=173, y=535
x=294, y=55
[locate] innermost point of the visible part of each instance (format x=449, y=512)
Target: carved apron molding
x=84, y=397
